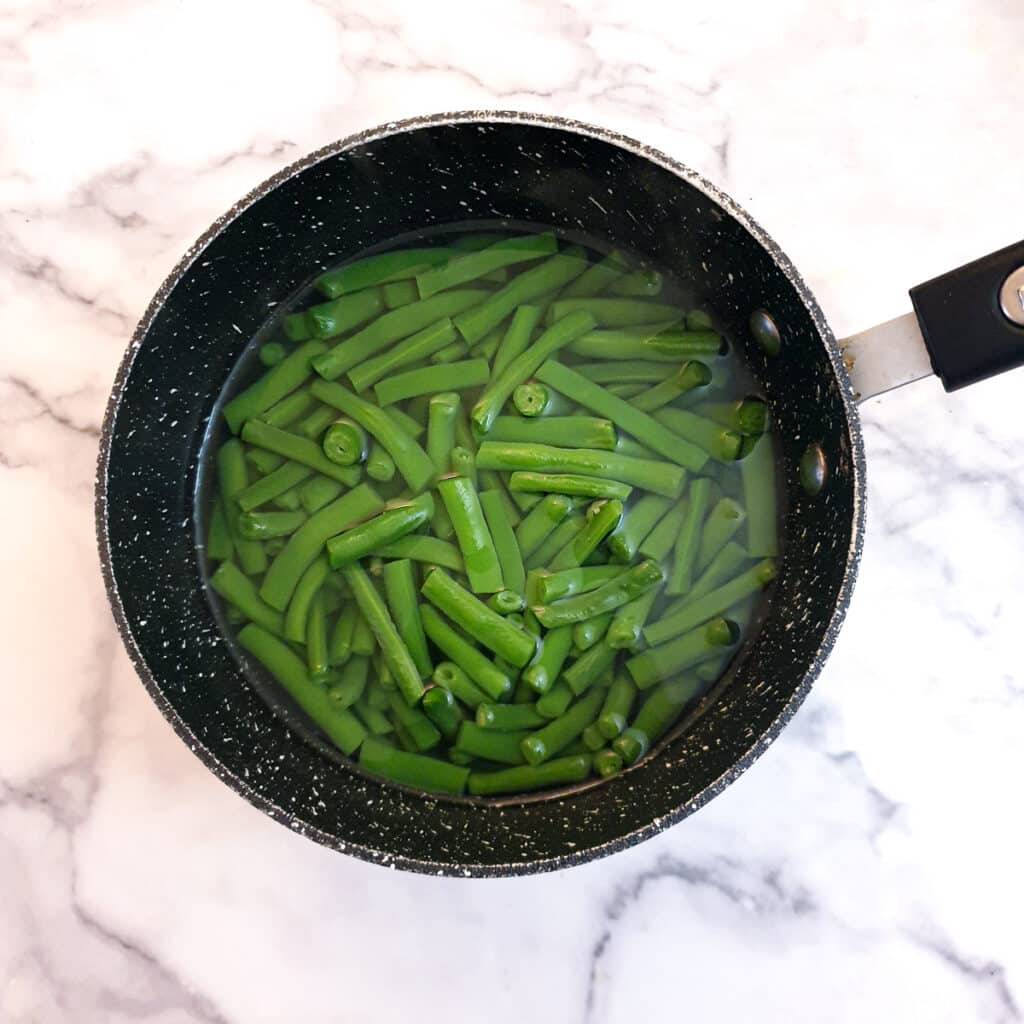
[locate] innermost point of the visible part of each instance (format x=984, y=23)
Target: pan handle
x=967, y=325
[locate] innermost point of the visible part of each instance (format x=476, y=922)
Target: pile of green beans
x=494, y=513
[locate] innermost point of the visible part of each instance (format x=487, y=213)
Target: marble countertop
x=866, y=869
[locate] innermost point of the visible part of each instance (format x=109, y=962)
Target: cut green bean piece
x=288, y=502
x=394, y=326
x=509, y=557
x=508, y=717
x=289, y=409
x=638, y=283
x=410, y=769
x=527, y=286
x=688, y=540
x=422, y=732
x=274, y=385
x=553, y=737
x=302, y=599
x=555, y=541
x=597, y=277
x=399, y=293
x=478, y=552
x=586, y=542
x=748, y=416
x=609, y=596
x=382, y=529
x=690, y=375
x=423, y=549
x=482, y=672
x=413, y=349
x=261, y=461
x=591, y=631
x=636, y=524
x=232, y=481
x=714, y=603
x=554, y=702
x=659, y=342
x=662, y=708
x=403, y=600
x=589, y=667
x=724, y=519
x=556, y=585
x=631, y=745
x=758, y=473
x=540, y=521
x=318, y=492
x=616, y=312
x=455, y=681
x=721, y=568
x=487, y=627
x=312, y=427
x=440, y=706
x=534, y=400
x=500, y=389
x=374, y=719
x=393, y=647
x=412, y=461
x=298, y=449
x=470, y=266
x=379, y=269
x=718, y=441
x=363, y=640
x=552, y=650
x=339, y=647
x=625, y=371
x=428, y=379
x=569, y=483
x=617, y=704
x=329, y=319
x=566, y=431
x=296, y=327
x=442, y=412
x=345, y=443
x=501, y=747
x=316, y=638
x=341, y=727
x=592, y=738
x=607, y=763
x=644, y=428
x=516, y=338
x=464, y=463
x=379, y=464
x=686, y=650
x=266, y=525
x=562, y=771
x=626, y=630
x=219, y=545
x=235, y=587
x=660, y=541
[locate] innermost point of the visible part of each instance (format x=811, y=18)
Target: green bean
x=684, y=556
x=591, y=738
x=412, y=461
x=748, y=416
x=343, y=728
x=660, y=541
x=419, y=728
x=660, y=342
x=297, y=615
x=529, y=285
x=540, y=521
x=635, y=526
x=329, y=319
x=617, y=703
x=391, y=327
x=289, y=409
x=709, y=671
x=720, y=443
x=453, y=679
x=318, y=492
x=686, y=650
x=500, y=389
x=492, y=481
x=631, y=745
x=607, y=763
x=597, y=277
x=724, y=519
x=296, y=327
x=412, y=350
x=698, y=320
x=265, y=525
x=379, y=269
x=219, y=545
x=427, y=379
x=474, y=538
x=308, y=541
x=568, y=483
x=626, y=630
x=615, y=312
x=339, y=647
x=487, y=627
x=464, y=463
x=563, y=771
x=557, y=734
x=232, y=480
x=235, y=587
x=399, y=293
x=276, y=483
x=481, y=671
x=591, y=631
x=644, y=428
x=508, y=717
x=555, y=541
x=627, y=392
x=568, y=431
x=586, y=542
x=556, y=585
x=298, y=449
x=288, y=502
x=626, y=371
x=405, y=422
x=659, y=712
x=393, y=647
x=345, y=442
x=316, y=638
x=274, y=385
x=516, y=338
x=363, y=641
x=377, y=696
x=506, y=547
x=758, y=473
x=379, y=464
x=690, y=375
x=442, y=412
x=589, y=667
x=411, y=769
x=470, y=266
x=423, y=549
x=552, y=650
x=451, y=353
x=722, y=567
x=553, y=703
x=382, y=529
x=312, y=427
x=610, y=595
x=374, y=719
x=400, y=590
x=500, y=747
x=637, y=283
x=261, y=461
x=709, y=605
x=533, y=400
x=272, y=353
x=443, y=711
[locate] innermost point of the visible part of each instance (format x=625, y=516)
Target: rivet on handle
x=1011, y=296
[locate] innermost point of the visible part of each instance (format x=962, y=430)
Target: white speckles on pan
x=384, y=183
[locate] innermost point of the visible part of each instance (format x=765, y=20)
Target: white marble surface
x=867, y=869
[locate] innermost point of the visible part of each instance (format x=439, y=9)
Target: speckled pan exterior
x=362, y=191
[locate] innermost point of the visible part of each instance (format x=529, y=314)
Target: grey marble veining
x=867, y=867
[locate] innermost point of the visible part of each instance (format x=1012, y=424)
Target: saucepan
x=400, y=179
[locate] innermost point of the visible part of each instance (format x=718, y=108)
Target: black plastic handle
x=968, y=335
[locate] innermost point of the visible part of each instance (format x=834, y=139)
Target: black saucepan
x=455, y=168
